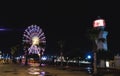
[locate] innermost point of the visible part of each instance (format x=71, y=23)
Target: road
x=21, y=70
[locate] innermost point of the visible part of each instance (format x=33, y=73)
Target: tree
x=26, y=54
x=93, y=35
x=14, y=51
x=61, y=45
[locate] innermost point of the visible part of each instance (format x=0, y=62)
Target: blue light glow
x=44, y=58
x=89, y=57
x=2, y=29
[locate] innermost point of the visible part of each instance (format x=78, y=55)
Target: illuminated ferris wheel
x=34, y=38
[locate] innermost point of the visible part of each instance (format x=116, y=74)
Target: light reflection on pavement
x=23, y=70
x=35, y=70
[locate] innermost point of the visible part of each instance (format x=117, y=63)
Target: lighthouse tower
x=101, y=41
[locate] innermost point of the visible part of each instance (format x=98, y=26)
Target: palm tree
x=93, y=36
x=61, y=46
x=14, y=51
x=26, y=54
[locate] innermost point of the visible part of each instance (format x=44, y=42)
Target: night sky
x=67, y=21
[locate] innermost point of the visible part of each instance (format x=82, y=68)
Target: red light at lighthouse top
x=99, y=23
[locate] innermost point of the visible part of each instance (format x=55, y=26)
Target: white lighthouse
x=101, y=41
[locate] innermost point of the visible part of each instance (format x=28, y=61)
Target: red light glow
x=99, y=23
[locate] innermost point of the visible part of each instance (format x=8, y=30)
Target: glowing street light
x=89, y=57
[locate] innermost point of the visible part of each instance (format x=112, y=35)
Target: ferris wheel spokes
x=34, y=33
